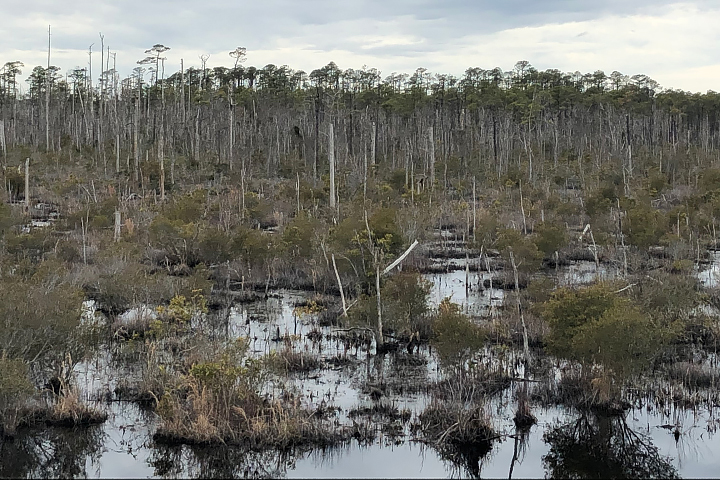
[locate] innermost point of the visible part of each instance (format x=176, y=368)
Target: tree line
x=272, y=121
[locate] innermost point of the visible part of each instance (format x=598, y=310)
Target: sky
x=674, y=43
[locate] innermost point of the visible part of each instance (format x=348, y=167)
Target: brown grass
x=207, y=417
x=462, y=435
x=589, y=391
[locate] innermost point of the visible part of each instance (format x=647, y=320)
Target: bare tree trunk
x=526, y=348
x=2, y=142
x=27, y=184
x=136, y=133
x=331, y=160
x=431, y=140
x=196, y=143
x=47, y=99
x=474, y=210
x=373, y=144
x=161, y=159
x=231, y=139
x=116, y=236
x=342, y=292
x=380, y=340
x=317, y=134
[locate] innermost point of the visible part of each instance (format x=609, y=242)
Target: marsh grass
x=218, y=401
x=693, y=376
x=252, y=422
x=289, y=360
x=461, y=386
x=69, y=411
x=461, y=435
x=583, y=390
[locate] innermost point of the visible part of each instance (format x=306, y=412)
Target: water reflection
x=596, y=446
x=53, y=453
x=219, y=462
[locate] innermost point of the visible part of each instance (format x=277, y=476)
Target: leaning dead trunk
x=342, y=292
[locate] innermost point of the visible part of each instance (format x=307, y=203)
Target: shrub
x=40, y=316
x=15, y=389
x=527, y=255
x=455, y=336
x=597, y=325
x=550, y=238
x=405, y=298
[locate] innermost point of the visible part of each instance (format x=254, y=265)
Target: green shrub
x=550, y=238
x=597, y=325
x=15, y=390
x=455, y=336
x=405, y=297
x=527, y=255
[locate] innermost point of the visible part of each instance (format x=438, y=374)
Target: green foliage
x=657, y=183
x=601, y=200
x=6, y=220
x=486, y=231
x=229, y=372
x=668, y=298
x=550, y=238
x=643, y=226
x=596, y=325
x=385, y=231
x=176, y=238
x=182, y=309
x=405, y=297
x=569, y=309
x=40, y=316
x=188, y=208
x=300, y=236
x=351, y=237
x=526, y=253
x=623, y=339
x=214, y=246
x=709, y=180
x=455, y=336
x=15, y=390
x=32, y=246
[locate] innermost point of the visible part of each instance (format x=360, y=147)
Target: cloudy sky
x=674, y=43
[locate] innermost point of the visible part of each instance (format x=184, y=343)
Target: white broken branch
x=400, y=258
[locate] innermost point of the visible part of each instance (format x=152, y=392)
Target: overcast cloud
x=674, y=43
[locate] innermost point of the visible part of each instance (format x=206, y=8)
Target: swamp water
x=644, y=441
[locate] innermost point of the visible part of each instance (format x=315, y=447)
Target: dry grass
x=69, y=411
x=462, y=386
x=462, y=435
x=289, y=360
x=218, y=402
x=692, y=375
x=202, y=418
x=64, y=410
x=588, y=391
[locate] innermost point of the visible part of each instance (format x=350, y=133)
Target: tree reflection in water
x=596, y=446
x=53, y=453
x=219, y=462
